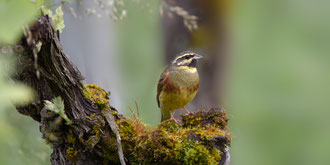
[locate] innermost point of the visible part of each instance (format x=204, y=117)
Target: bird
x=178, y=84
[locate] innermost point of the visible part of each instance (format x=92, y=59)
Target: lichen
x=71, y=155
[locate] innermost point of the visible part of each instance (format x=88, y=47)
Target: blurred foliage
x=278, y=94
x=140, y=53
x=20, y=138
x=57, y=18
x=15, y=14
x=11, y=92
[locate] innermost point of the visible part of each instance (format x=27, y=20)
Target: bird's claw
x=175, y=120
x=187, y=112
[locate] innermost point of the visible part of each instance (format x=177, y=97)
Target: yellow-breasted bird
x=178, y=84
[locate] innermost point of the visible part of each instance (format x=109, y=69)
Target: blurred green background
x=276, y=81
x=279, y=87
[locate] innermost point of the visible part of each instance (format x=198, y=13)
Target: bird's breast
x=184, y=77
x=180, y=87
x=175, y=97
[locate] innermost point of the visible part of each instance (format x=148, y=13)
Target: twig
x=137, y=109
x=132, y=112
x=111, y=121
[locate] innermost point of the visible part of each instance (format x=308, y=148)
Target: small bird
x=178, y=84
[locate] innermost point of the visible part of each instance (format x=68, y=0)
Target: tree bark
x=97, y=133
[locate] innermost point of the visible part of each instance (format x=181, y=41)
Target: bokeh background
x=266, y=62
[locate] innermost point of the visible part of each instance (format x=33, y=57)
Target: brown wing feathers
x=161, y=83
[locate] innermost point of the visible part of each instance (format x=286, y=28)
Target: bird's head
x=186, y=58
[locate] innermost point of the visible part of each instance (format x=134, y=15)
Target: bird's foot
x=187, y=112
x=175, y=120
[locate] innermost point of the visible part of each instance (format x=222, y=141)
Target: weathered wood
x=58, y=77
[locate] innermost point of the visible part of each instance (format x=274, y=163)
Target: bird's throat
x=184, y=76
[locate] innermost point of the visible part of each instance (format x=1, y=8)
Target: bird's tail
x=166, y=114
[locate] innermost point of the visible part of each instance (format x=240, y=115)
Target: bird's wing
x=161, y=83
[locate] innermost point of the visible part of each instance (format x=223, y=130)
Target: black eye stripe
x=187, y=56
x=182, y=58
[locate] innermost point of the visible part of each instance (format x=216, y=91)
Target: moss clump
x=128, y=134
x=190, y=152
x=215, y=116
x=169, y=125
x=210, y=131
x=156, y=148
x=169, y=143
x=71, y=155
x=109, y=149
x=97, y=95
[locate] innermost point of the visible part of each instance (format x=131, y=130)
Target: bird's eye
x=187, y=57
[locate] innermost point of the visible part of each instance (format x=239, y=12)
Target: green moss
x=127, y=131
x=157, y=147
x=97, y=95
x=210, y=131
x=191, y=121
x=169, y=143
x=169, y=125
x=110, y=155
x=94, y=139
x=215, y=116
x=71, y=155
x=71, y=138
x=96, y=129
x=91, y=142
x=189, y=152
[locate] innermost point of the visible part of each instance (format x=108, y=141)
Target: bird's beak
x=197, y=56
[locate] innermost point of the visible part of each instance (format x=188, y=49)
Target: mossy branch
x=96, y=133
